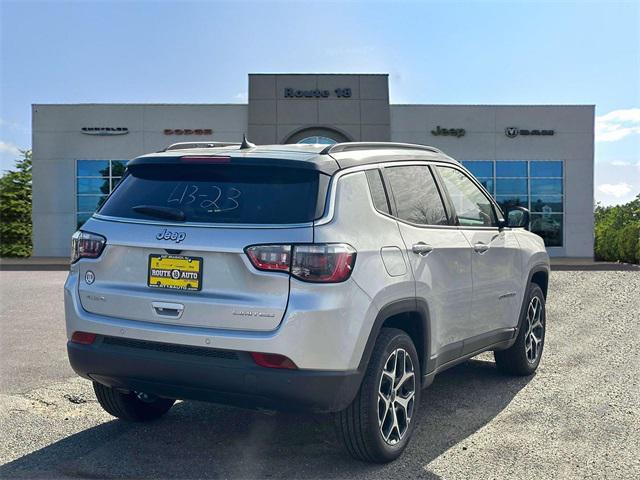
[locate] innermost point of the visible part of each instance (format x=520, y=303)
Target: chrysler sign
x=105, y=130
x=513, y=132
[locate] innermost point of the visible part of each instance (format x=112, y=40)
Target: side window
x=474, y=209
x=416, y=195
x=378, y=194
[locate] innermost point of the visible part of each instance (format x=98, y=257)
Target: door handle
x=173, y=310
x=421, y=249
x=480, y=247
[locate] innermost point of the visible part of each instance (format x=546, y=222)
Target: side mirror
x=518, y=217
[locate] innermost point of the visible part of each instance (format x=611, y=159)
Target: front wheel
x=131, y=406
x=523, y=357
x=378, y=424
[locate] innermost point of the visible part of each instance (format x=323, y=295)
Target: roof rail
x=187, y=145
x=352, y=146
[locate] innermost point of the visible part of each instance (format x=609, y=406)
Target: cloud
x=618, y=124
x=242, y=96
x=7, y=148
x=13, y=126
x=617, y=190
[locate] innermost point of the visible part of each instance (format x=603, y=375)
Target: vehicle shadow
x=198, y=440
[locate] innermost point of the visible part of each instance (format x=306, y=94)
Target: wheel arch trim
x=541, y=267
x=411, y=305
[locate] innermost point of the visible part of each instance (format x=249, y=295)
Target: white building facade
x=540, y=157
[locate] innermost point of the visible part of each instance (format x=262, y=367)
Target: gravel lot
x=578, y=417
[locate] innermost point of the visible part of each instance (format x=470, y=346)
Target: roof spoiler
x=188, y=145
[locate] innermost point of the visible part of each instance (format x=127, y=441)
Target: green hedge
x=617, y=232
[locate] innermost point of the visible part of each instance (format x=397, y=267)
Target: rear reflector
x=273, y=360
x=205, y=159
x=83, y=337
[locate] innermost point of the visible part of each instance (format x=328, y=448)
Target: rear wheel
x=523, y=357
x=132, y=406
x=378, y=424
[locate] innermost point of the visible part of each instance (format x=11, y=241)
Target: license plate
x=175, y=271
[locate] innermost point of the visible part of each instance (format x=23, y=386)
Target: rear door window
x=233, y=194
x=416, y=195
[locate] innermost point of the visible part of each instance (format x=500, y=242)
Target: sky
x=503, y=52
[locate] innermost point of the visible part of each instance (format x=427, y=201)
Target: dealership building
x=537, y=156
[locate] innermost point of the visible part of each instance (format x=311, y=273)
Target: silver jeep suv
x=335, y=279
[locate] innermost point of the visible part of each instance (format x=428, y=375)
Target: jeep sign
x=452, y=132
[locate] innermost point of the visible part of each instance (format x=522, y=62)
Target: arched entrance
x=322, y=135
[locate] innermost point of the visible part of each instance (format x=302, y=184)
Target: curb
x=34, y=264
x=12, y=267
x=596, y=267
x=62, y=264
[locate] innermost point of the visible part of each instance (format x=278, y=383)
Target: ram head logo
x=511, y=132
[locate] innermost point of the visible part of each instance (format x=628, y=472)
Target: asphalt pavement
x=578, y=417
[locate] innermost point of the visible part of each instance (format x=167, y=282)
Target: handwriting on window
x=211, y=198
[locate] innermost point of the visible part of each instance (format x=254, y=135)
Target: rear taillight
x=270, y=257
x=86, y=245
x=324, y=263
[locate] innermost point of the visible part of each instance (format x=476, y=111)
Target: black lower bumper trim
x=236, y=381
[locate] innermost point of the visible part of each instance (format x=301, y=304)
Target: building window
x=316, y=139
x=483, y=171
x=535, y=184
x=95, y=179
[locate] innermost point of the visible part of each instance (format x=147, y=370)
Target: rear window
x=218, y=194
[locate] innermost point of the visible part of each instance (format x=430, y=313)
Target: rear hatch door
x=176, y=238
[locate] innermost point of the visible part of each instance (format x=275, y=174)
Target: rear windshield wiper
x=167, y=213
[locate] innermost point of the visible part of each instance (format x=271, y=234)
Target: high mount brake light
x=205, y=159
x=321, y=263
x=86, y=245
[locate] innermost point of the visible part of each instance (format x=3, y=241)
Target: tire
x=524, y=356
x=130, y=406
x=358, y=425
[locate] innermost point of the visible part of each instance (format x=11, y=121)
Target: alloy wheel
x=396, y=396
x=535, y=330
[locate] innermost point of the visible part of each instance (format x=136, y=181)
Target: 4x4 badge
x=173, y=236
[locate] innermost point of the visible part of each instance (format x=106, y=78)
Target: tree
x=617, y=232
x=15, y=209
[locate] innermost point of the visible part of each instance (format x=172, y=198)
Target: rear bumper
x=219, y=376
x=325, y=327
